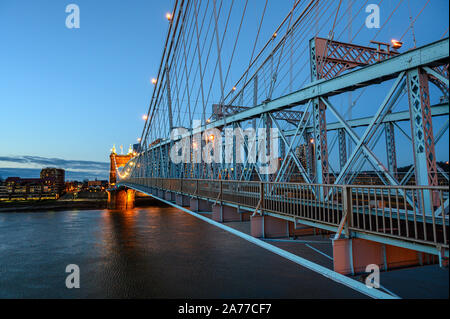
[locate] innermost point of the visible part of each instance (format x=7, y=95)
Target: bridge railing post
x=347, y=207
x=196, y=187
x=261, y=195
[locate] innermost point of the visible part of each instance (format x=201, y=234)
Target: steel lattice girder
x=221, y=111
x=333, y=57
x=433, y=54
x=436, y=110
x=422, y=128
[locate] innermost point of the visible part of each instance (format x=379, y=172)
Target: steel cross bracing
x=426, y=59
x=407, y=74
x=331, y=58
x=222, y=111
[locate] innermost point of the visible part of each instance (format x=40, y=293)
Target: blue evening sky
x=71, y=93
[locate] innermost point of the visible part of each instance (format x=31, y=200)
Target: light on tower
x=169, y=16
x=396, y=44
x=154, y=81
x=144, y=117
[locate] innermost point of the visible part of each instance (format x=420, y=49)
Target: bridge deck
x=396, y=215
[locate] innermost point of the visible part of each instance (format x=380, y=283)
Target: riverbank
x=65, y=204
x=52, y=205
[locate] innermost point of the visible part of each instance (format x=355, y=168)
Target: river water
x=153, y=252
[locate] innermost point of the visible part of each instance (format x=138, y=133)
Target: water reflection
x=154, y=252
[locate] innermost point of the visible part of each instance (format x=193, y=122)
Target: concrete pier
x=223, y=213
x=200, y=205
x=182, y=200
x=121, y=199
x=271, y=227
x=353, y=255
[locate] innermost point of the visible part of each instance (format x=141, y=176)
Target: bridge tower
x=117, y=161
x=119, y=198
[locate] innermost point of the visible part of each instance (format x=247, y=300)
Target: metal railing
x=412, y=213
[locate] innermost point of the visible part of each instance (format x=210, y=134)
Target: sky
x=68, y=95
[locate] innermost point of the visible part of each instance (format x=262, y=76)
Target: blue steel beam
x=429, y=55
x=436, y=110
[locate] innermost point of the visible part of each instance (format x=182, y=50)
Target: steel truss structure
x=318, y=145
x=411, y=72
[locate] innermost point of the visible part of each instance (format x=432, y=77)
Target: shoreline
x=57, y=205
x=62, y=205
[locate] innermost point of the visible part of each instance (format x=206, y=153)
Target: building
x=16, y=188
x=54, y=177
x=98, y=184
x=50, y=185
x=73, y=186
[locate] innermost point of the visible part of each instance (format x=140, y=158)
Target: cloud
x=82, y=168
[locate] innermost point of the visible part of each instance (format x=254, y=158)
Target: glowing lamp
x=396, y=44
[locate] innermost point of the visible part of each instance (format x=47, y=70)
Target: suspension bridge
x=347, y=105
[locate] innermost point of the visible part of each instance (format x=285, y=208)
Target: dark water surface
x=154, y=252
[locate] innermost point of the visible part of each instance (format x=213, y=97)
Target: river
x=152, y=252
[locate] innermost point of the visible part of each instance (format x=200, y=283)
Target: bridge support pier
x=268, y=227
x=353, y=255
x=182, y=200
x=199, y=205
x=121, y=199
x=271, y=227
x=170, y=196
x=224, y=213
